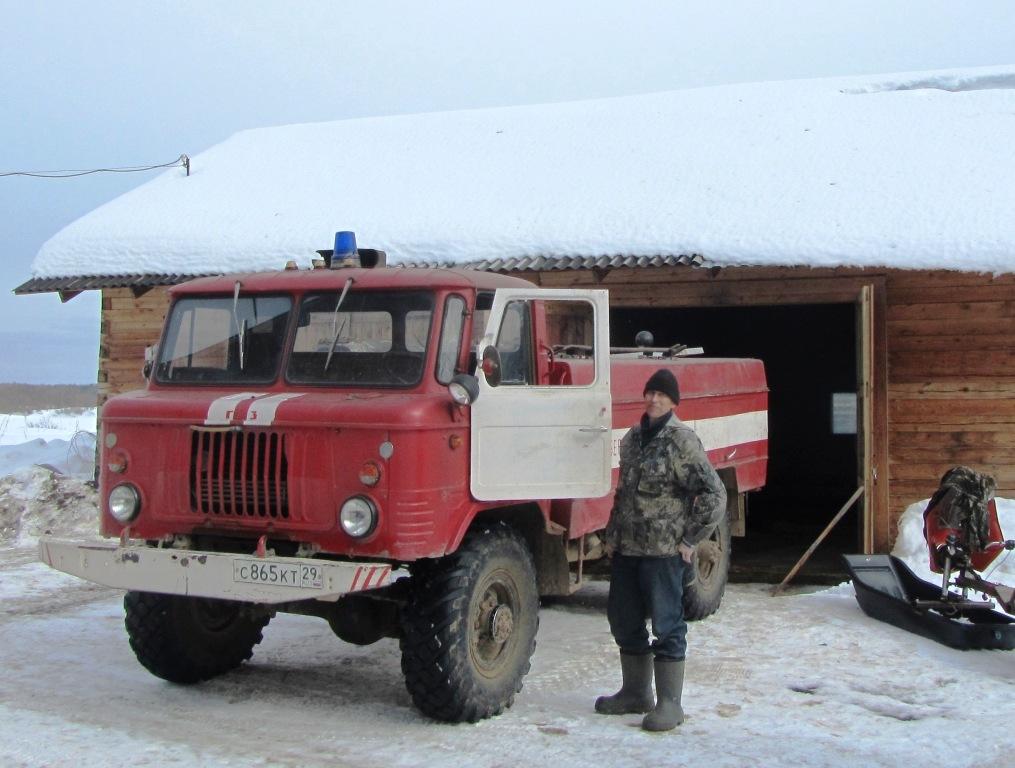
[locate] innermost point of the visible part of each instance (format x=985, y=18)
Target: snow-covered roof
x=912, y=170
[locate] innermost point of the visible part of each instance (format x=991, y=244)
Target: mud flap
x=888, y=590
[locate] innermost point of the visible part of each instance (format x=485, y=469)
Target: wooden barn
x=878, y=289
x=927, y=355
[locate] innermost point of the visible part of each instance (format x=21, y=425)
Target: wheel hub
x=502, y=623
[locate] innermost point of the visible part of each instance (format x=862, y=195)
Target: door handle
x=592, y=429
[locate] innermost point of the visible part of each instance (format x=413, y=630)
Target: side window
x=480, y=318
x=571, y=338
x=566, y=337
x=451, y=338
x=514, y=343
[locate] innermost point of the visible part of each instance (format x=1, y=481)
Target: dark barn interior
x=809, y=353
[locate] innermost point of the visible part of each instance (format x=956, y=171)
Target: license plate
x=307, y=576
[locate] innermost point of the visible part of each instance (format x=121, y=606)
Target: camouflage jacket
x=668, y=492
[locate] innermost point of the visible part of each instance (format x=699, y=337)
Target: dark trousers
x=648, y=588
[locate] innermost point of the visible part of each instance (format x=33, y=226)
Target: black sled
x=889, y=591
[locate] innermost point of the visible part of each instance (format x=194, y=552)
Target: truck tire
x=190, y=639
x=706, y=581
x=469, y=628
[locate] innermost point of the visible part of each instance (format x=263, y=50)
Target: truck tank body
x=724, y=400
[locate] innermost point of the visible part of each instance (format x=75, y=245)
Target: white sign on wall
x=844, y=413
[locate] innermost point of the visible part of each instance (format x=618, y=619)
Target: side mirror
x=150, y=354
x=491, y=366
x=464, y=389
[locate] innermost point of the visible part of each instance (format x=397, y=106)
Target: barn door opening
x=817, y=405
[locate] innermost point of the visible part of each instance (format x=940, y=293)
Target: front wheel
x=469, y=629
x=191, y=639
x=707, y=574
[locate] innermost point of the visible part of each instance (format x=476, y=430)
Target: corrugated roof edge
x=97, y=282
x=552, y=263
x=514, y=264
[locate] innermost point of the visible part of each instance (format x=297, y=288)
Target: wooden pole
x=821, y=537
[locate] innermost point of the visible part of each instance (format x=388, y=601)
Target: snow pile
x=63, y=440
x=43, y=480
x=37, y=500
x=911, y=170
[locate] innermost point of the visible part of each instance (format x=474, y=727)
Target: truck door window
x=375, y=339
x=204, y=336
x=451, y=338
x=514, y=343
x=566, y=341
x=570, y=342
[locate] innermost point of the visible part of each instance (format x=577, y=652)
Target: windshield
x=224, y=340
x=374, y=339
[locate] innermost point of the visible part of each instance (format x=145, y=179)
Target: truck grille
x=243, y=474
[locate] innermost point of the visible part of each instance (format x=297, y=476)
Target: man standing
x=668, y=498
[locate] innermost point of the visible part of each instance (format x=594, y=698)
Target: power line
x=182, y=160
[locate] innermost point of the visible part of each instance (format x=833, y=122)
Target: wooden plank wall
x=951, y=364
x=128, y=325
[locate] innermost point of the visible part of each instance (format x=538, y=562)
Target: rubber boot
x=668, y=713
x=635, y=694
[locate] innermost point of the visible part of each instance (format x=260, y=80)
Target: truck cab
x=313, y=408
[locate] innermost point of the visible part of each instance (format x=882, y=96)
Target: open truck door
x=549, y=438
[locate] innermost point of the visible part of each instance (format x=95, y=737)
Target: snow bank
x=75, y=457
x=911, y=170
x=47, y=425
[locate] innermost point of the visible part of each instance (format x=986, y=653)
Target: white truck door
x=534, y=440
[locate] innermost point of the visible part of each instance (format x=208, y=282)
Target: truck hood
x=263, y=408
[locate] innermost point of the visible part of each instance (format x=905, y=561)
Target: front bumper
x=211, y=574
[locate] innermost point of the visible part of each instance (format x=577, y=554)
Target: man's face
x=657, y=404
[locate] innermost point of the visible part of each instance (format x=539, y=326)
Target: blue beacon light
x=345, y=248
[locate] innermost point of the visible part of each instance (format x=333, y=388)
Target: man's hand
x=686, y=552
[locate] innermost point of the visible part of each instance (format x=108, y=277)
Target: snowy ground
x=803, y=679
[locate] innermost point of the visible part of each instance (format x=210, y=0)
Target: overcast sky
x=125, y=83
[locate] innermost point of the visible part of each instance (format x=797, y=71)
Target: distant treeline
x=25, y=398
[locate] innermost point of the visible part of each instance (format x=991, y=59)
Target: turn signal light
x=369, y=473
x=117, y=462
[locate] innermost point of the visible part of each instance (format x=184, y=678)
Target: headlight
x=358, y=517
x=124, y=503
x=464, y=389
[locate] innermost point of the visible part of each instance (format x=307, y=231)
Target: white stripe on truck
x=221, y=409
x=717, y=432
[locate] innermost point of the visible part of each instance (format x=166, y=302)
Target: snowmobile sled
x=963, y=537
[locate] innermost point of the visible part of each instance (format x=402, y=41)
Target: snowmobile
x=963, y=538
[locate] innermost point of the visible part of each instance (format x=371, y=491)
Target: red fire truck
x=405, y=452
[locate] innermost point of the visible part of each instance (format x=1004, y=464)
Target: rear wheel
x=706, y=583
x=191, y=639
x=469, y=629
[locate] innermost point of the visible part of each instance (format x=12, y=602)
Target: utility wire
x=182, y=160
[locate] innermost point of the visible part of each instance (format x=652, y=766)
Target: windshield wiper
x=334, y=324
x=242, y=327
